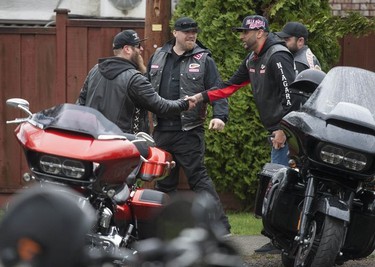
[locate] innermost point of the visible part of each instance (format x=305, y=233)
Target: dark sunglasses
x=188, y=25
x=137, y=45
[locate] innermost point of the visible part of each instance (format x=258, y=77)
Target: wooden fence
x=48, y=65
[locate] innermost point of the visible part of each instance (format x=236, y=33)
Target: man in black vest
x=184, y=67
x=295, y=35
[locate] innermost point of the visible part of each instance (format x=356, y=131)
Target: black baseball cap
x=295, y=29
x=186, y=24
x=127, y=37
x=253, y=22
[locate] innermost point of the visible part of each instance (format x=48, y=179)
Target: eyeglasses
x=137, y=45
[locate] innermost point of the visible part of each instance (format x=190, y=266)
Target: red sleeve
x=225, y=92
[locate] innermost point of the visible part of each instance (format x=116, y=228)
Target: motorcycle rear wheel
x=326, y=244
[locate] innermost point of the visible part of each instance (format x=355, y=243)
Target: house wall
x=341, y=7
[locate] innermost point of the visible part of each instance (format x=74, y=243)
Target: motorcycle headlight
x=62, y=166
x=343, y=157
x=51, y=165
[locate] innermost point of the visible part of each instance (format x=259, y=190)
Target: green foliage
x=236, y=155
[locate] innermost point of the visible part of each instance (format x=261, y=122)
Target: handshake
x=194, y=100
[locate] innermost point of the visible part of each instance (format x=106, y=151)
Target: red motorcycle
x=78, y=147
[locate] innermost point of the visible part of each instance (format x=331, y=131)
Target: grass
x=244, y=223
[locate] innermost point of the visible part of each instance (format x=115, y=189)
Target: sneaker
x=268, y=249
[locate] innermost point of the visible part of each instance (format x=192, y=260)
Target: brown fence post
x=61, y=23
x=158, y=14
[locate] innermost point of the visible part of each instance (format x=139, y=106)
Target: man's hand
x=279, y=139
x=191, y=103
x=216, y=125
x=196, y=98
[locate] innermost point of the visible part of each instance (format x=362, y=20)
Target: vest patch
x=154, y=66
x=198, y=56
x=194, y=66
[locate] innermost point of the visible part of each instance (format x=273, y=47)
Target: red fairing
x=73, y=145
x=117, y=158
x=159, y=164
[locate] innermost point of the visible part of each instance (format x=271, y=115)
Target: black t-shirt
x=170, y=89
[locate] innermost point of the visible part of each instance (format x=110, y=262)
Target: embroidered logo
x=194, y=66
x=198, y=56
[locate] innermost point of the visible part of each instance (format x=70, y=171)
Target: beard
x=189, y=45
x=136, y=58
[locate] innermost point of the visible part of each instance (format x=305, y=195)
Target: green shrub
x=236, y=155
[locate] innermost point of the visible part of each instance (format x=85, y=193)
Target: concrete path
x=246, y=244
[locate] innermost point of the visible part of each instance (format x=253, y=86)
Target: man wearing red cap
x=270, y=68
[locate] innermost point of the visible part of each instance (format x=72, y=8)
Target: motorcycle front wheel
x=327, y=236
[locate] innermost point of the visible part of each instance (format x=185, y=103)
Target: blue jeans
x=280, y=156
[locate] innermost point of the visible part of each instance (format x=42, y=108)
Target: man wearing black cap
x=183, y=66
x=295, y=35
x=117, y=87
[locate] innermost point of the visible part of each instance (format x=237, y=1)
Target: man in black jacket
x=270, y=68
x=183, y=66
x=117, y=87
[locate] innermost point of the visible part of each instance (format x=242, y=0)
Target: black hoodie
x=124, y=95
x=270, y=72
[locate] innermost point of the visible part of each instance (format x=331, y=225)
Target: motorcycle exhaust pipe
x=105, y=218
x=128, y=234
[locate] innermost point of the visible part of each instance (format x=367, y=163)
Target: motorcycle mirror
x=19, y=103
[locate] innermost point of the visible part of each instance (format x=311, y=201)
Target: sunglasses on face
x=188, y=25
x=137, y=45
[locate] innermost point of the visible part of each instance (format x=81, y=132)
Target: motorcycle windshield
x=345, y=94
x=79, y=119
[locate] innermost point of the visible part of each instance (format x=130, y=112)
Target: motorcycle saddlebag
x=147, y=204
x=360, y=239
x=283, y=201
x=264, y=178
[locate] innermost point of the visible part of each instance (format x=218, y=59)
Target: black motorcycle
x=321, y=211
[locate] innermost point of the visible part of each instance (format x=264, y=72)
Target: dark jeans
x=188, y=148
